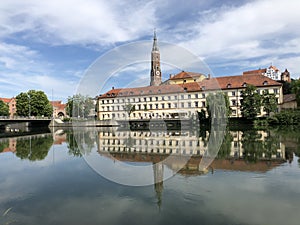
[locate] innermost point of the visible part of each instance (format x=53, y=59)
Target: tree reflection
x=3, y=145
x=225, y=148
x=34, y=148
x=252, y=145
x=80, y=142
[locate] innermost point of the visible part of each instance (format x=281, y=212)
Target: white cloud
x=77, y=21
x=257, y=29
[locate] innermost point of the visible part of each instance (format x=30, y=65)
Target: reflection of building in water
x=183, y=143
x=11, y=146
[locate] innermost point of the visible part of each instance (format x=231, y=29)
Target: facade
x=59, y=109
x=11, y=102
x=181, y=96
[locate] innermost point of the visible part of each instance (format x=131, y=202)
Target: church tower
x=155, y=74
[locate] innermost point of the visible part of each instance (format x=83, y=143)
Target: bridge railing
x=25, y=118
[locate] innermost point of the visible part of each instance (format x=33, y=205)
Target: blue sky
x=48, y=45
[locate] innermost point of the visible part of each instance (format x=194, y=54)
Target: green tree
x=79, y=106
x=269, y=102
x=4, y=109
x=218, y=107
x=251, y=102
x=296, y=90
x=33, y=103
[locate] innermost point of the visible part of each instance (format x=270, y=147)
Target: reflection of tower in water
x=158, y=172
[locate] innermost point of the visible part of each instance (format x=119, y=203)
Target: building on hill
x=271, y=72
x=182, y=95
x=59, y=109
x=11, y=102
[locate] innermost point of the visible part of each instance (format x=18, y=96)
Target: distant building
x=11, y=102
x=271, y=72
x=59, y=109
x=182, y=95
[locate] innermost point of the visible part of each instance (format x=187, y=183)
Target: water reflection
x=249, y=174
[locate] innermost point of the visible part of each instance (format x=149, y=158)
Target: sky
x=49, y=45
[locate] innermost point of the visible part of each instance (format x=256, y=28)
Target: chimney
x=113, y=88
x=208, y=76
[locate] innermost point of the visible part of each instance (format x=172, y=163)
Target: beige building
x=11, y=102
x=182, y=95
x=59, y=109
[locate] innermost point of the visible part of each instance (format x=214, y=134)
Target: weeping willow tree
x=217, y=105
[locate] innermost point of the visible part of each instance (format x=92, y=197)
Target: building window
x=189, y=104
x=196, y=104
x=156, y=98
x=169, y=105
x=233, y=102
x=265, y=82
x=244, y=85
x=156, y=106
x=203, y=104
x=150, y=106
x=203, y=95
x=196, y=95
x=162, y=105
x=275, y=90
x=175, y=97
x=182, y=96
x=175, y=105
x=233, y=93
x=228, y=85
x=169, y=97
x=233, y=112
x=189, y=96
x=182, y=105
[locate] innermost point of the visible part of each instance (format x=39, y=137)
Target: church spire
x=155, y=46
x=155, y=73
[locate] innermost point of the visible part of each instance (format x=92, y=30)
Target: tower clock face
x=157, y=73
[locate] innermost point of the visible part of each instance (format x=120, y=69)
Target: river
x=109, y=176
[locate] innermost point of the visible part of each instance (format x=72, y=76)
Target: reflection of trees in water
x=3, y=145
x=80, y=142
x=255, y=147
x=34, y=148
x=225, y=148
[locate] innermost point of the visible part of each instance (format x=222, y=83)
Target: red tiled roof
x=184, y=74
x=228, y=82
x=289, y=98
x=58, y=105
x=6, y=100
x=255, y=72
x=274, y=68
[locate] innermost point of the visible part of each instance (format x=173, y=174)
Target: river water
x=84, y=177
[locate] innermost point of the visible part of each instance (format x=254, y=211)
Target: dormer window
x=228, y=85
x=185, y=89
x=203, y=87
x=113, y=94
x=150, y=92
x=131, y=93
x=265, y=82
x=244, y=84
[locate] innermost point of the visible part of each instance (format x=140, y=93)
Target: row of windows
x=154, y=98
x=155, y=142
x=156, y=106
